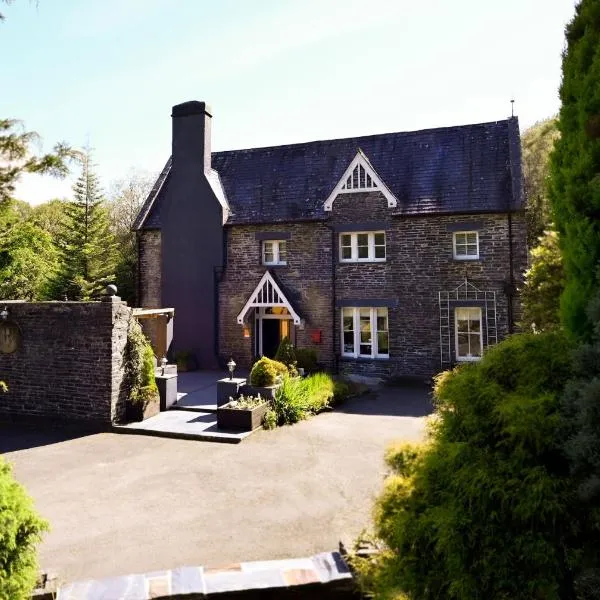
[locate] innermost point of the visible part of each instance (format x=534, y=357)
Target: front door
x=270, y=336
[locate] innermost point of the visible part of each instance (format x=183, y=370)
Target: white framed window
x=469, y=334
x=365, y=246
x=274, y=252
x=466, y=245
x=365, y=332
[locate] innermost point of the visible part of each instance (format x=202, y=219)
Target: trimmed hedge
x=265, y=371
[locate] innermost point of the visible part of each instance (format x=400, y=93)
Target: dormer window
x=274, y=252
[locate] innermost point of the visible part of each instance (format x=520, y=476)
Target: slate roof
x=462, y=169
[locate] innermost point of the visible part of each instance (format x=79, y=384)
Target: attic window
x=360, y=176
x=359, y=180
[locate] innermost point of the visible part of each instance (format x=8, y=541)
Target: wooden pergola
x=161, y=331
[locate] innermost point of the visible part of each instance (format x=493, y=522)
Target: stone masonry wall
x=69, y=367
x=306, y=280
x=150, y=278
x=419, y=265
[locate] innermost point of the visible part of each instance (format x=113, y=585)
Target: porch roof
x=268, y=293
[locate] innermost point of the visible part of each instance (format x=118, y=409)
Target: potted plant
x=266, y=376
x=244, y=413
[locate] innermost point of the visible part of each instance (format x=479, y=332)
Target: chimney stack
x=191, y=135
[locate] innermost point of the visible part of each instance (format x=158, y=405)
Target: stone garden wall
x=68, y=366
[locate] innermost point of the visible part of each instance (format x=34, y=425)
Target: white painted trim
x=253, y=301
x=219, y=191
x=467, y=358
x=354, y=247
x=276, y=256
x=356, y=332
x=362, y=160
x=465, y=256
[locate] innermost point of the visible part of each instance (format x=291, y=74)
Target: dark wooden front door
x=270, y=337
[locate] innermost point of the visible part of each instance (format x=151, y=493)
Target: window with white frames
x=466, y=245
x=365, y=332
x=366, y=246
x=469, y=335
x=274, y=252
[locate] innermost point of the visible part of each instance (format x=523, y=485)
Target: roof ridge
x=370, y=137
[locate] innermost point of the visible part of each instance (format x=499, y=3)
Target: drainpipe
x=333, y=346
x=511, y=277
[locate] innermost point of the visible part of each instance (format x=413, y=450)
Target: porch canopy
x=268, y=294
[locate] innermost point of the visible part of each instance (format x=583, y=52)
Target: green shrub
x=341, y=391
x=285, y=353
x=485, y=509
x=3, y=387
x=265, y=372
x=270, y=419
x=298, y=398
x=139, y=365
x=306, y=358
x=20, y=531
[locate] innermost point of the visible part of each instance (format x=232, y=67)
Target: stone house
x=391, y=255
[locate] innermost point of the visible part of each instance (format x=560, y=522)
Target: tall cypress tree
x=87, y=244
x=575, y=169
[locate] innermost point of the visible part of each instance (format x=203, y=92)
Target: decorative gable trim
x=267, y=293
x=360, y=176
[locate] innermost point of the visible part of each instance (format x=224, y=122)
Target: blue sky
x=273, y=71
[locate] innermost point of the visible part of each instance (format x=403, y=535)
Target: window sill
x=271, y=265
x=346, y=358
x=466, y=258
x=362, y=262
x=466, y=359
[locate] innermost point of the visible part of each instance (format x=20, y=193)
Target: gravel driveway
x=121, y=504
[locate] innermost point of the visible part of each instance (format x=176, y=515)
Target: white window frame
x=354, y=246
x=465, y=244
x=276, y=253
x=356, y=331
x=468, y=358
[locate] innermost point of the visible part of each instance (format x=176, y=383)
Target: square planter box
x=245, y=419
x=139, y=411
x=268, y=393
x=227, y=388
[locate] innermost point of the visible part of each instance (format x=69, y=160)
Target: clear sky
x=273, y=71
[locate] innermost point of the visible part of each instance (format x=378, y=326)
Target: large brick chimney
x=191, y=134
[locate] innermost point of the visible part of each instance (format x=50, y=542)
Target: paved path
x=123, y=504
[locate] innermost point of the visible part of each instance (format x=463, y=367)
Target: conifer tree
x=87, y=245
x=575, y=169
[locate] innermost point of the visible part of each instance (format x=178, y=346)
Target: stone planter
x=140, y=411
x=167, y=390
x=244, y=419
x=268, y=392
x=228, y=388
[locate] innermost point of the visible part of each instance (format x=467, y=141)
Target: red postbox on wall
x=315, y=336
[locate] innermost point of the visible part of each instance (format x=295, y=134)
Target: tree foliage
x=575, y=167
x=544, y=283
x=126, y=198
x=17, y=158
x=87, y=245
x=537, y=144
x=484, y=510
x=20, y=530
x=28, y=257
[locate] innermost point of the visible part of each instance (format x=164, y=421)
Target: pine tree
x=87, y=244
x=575, y=168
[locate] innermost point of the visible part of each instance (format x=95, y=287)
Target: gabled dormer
x=360, y=177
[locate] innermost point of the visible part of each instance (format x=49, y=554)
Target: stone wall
x=69, y=367
x=149, y=278
x=418, y=266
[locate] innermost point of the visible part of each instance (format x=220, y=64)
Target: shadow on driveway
x=408, y=400
x=15, y=437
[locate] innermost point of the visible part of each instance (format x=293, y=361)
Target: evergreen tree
x=575, y=168
x=87, y=244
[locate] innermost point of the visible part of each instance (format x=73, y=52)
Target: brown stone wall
x=419, y=265
x=306, y=279
x=150, y=278
x=70, y=363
